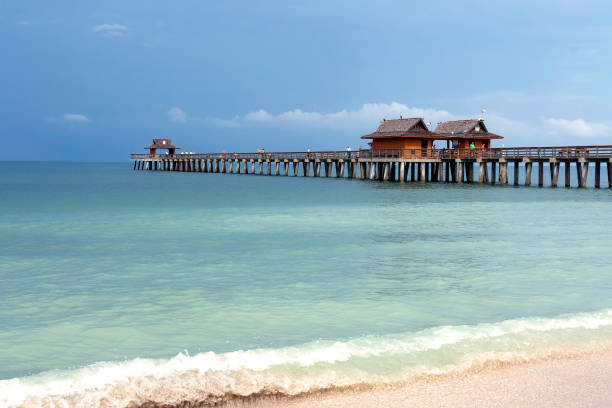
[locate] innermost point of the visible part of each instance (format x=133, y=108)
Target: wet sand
x=584, y=381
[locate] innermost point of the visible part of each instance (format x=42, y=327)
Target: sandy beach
x=567, y=382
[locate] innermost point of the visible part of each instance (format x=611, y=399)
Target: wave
x=210, y=378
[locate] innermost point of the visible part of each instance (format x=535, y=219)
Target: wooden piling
x=584, y=172
x=597, y=174
x=554, y=173
x=460, y=172
x=372, y=173
x=516, y=172
x=540, y=173
x=503, y=172
x=528, y=166
x=470, y=171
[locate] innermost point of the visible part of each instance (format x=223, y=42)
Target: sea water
x=123, y=286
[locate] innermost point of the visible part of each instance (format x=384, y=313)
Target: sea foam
x=319, y=365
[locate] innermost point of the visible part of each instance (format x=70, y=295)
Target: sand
x=568, y=382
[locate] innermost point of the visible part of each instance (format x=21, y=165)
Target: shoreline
x=572, y=379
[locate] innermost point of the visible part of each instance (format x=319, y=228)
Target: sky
x=95, y=81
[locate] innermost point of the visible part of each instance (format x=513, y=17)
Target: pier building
x=401, y=134
x=412, y=134
x=463, y=133
x=162, y=144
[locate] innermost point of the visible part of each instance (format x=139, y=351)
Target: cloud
x=352, y=119
x=76, y=118
x=577, y=127
x=176, y=114
x=110, y=30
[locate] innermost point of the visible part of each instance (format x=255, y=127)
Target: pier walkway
x=424, y=165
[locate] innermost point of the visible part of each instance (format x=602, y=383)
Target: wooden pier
x=403, y=165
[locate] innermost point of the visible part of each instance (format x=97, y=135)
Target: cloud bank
x=577, y=127
x=110, y=30
x=76, y=118
x=366, y=115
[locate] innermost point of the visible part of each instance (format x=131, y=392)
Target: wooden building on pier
x=462, y=133
x=398, y=134
x=413, y=133
x=162, y=144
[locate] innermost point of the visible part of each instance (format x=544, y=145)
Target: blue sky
x=85, y=80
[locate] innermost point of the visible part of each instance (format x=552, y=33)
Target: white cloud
x=367, y=115
x=176, y=114
x=76, y=118
x=577, y=127
x=110, y=30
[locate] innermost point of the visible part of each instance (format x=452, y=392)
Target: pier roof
x=162, y=144
x=409, y=127
x=470, y=128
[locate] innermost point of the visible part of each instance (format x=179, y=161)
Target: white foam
x=293, y=370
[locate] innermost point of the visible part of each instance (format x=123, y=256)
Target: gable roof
x=399, y=127
x=465, y=128
x=162, y=144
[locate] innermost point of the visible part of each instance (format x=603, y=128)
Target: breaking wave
x=210, y=378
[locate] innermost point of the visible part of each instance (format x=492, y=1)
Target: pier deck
x=424, y=165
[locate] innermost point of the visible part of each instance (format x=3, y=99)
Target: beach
x=569, y=381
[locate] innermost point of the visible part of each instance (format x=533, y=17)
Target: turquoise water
x=157, y=272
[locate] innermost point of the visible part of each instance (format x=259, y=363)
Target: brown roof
x=470, y=128
x=399, y=128
x=162, y=144
x=459, y=126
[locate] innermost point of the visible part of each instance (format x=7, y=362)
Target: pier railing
x=320, y=155
x=510, y=153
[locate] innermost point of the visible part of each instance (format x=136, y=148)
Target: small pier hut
x=162, y=144
x=402, y=134
x=461, y=133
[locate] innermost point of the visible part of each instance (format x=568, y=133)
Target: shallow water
x=100, y=263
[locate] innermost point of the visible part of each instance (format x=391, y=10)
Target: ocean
x=120, y=287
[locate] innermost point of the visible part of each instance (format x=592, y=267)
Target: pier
x=454, y=165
